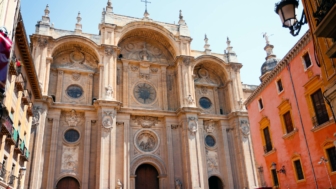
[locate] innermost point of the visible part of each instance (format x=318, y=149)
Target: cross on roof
x=145, y=1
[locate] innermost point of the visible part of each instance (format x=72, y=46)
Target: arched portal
x=68, y=183
x=146, y=177
x=215, y=183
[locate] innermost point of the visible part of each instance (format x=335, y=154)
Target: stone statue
x=109, y=92
x=119, y=184
x=178, y=184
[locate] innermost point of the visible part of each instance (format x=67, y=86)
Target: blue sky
x=242, y=21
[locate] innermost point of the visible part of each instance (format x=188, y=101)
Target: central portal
x=146, y=177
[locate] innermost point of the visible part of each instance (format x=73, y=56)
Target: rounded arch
x=212, y=61
x=65, y=178
x=85, y=44
x=150, y=30
x=151, y=160
x=215, y=182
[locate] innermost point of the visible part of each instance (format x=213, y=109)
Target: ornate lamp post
x=324, y=161
x=286, y=10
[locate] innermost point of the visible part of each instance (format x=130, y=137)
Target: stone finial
x=269, y=47
x=146, y=14
x=229, y=54
x=109, y=7
x=266, y=38
x=79, y=18
x=46, y=11
x=78, y=28
x=181, y=21
x=207, y=46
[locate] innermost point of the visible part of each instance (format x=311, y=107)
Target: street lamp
x=286, y=10
x=282, y=170
x=324, y=161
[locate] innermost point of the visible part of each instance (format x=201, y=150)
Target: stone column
x=170, y=163
x=86, y=154
x=231, y=96
x=89, y=88
x=101, y=81
x=164, y=87
x=47, y=75
x=125, y=83
x=126, y=153
x=193, y=159
x=42, y=67
x=53, y=149
x=107, y=153
x=227, y=159
x=37, y=158
x=132, y=181
x=186, y=84
x=59, y=86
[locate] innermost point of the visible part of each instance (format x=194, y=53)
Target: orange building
x=292, y=127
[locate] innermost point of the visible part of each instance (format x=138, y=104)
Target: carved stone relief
x=146, y=141
x=109, y=51
x=109, y=92
x=77, y=57
x=43, y=42
x=202, y=76
x=140, y=49
x=209, y=126
x=72, y=119
x=192, y=125
x=245, y=128
x=190, y=99
x=76, y=76
x=175, y=126
x=69, y=159
x=36, y=115
x=107, y=121
x=212, y=161
x=146, y=121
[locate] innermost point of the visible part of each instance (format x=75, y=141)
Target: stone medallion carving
x=146, y=141
x=72, y=119
x=244, y=128
x=109, y=92
x=203, y=73
x=146, y=121
x=77, y=57
x=107, y=120
x=144, y=93
x=69, y=159
x=192, y=125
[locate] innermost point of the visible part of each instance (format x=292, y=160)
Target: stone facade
x=137, y=94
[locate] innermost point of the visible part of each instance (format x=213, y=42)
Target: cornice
x=305, y=39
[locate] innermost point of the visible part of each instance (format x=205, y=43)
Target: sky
x=244, y=22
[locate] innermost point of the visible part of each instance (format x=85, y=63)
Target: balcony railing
x=11, y=180
x=3, y=172
x=317, y=121
x=323, y=9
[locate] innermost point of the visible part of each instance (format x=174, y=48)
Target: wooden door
x=68, y=183
x=146, y=177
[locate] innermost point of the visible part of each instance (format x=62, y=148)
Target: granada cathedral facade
x=135, y=108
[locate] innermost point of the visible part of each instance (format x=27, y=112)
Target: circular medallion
x=144, y=93
x=205, y=102
x=71, y=135
x=74, y=91
x=210, y=141
x=146, y=141
x=203, y=72
x=77, y=57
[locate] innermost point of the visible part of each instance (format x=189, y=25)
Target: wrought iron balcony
x=3, y=172
x=323, y=9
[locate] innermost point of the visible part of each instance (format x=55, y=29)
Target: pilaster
x=47, y=75
x=164, y=87
x=55, y=116
x=59, y=86
x=125, y=83
x=186, y=84
x=193, y=159
x=229, y=175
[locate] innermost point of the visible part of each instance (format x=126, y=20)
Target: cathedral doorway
x=68, y=183
x=215, y=183
x=146, y=177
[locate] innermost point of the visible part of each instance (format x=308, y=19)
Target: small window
x=261, y=105
x=288, y=122
x=332, y=158
x=321, y=114
x=306, y=60
x=210, y=141
x=279, y=85
x=74, y=91
x=71, y=135
x=275, y=177
x=298, y=170
x=268, y=143
x=205, y=102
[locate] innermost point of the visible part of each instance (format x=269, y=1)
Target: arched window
x=68, y=183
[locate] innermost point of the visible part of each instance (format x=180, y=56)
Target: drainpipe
x=302, y=127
